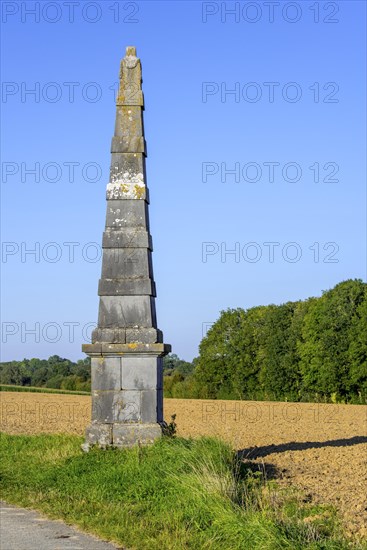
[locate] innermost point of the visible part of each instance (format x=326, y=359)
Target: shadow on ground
x=257, y=452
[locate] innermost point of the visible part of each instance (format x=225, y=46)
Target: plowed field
x=321, y=449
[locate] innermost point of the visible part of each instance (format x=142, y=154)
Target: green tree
x=55, y=382
x=245, y=358
x=82, y=369
x=170, y=362
x=326, y=340
x=280, y=375
x=213, y=372
x=10, y=373
x=170, y=381
x=41, y=375
x=358, y=351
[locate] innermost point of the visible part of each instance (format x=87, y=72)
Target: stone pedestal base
x=121, y=435
x=127, y=394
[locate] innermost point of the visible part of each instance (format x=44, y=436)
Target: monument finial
x=130, y=92
x=130, y=50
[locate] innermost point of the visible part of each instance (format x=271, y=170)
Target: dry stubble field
x=321, y=449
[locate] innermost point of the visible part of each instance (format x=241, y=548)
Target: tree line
x=309, y=350
x=54, y=372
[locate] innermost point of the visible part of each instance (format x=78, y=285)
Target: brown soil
x=320, y=449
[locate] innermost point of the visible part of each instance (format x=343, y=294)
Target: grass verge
x=178, y=493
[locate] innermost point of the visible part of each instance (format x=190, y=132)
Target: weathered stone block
x=126, y=287
x=106, y=373
x=127, y=238
x=126, y=311
x=158, y=349
x=128, y=136
x=142, y=373
x=93, y=350
x=134, y=434
x=123, y=165
x=130, y=214
x=151, y=406
x=121, y=263
x=129, y=122
x=127, y=191
x=143, y=335
x=99, y=434
x=128, y=144
x=130, y=96
x=116, y=335
x=116, y=406
x=114, y=350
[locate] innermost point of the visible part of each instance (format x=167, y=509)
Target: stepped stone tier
x=127, y=347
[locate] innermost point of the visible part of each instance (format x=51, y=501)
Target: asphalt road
x=22, y=529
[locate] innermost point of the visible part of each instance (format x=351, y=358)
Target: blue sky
x=292, y=132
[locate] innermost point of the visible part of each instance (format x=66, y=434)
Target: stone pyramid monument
x=127, y=347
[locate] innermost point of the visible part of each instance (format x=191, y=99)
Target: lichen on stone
x=126, y=185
